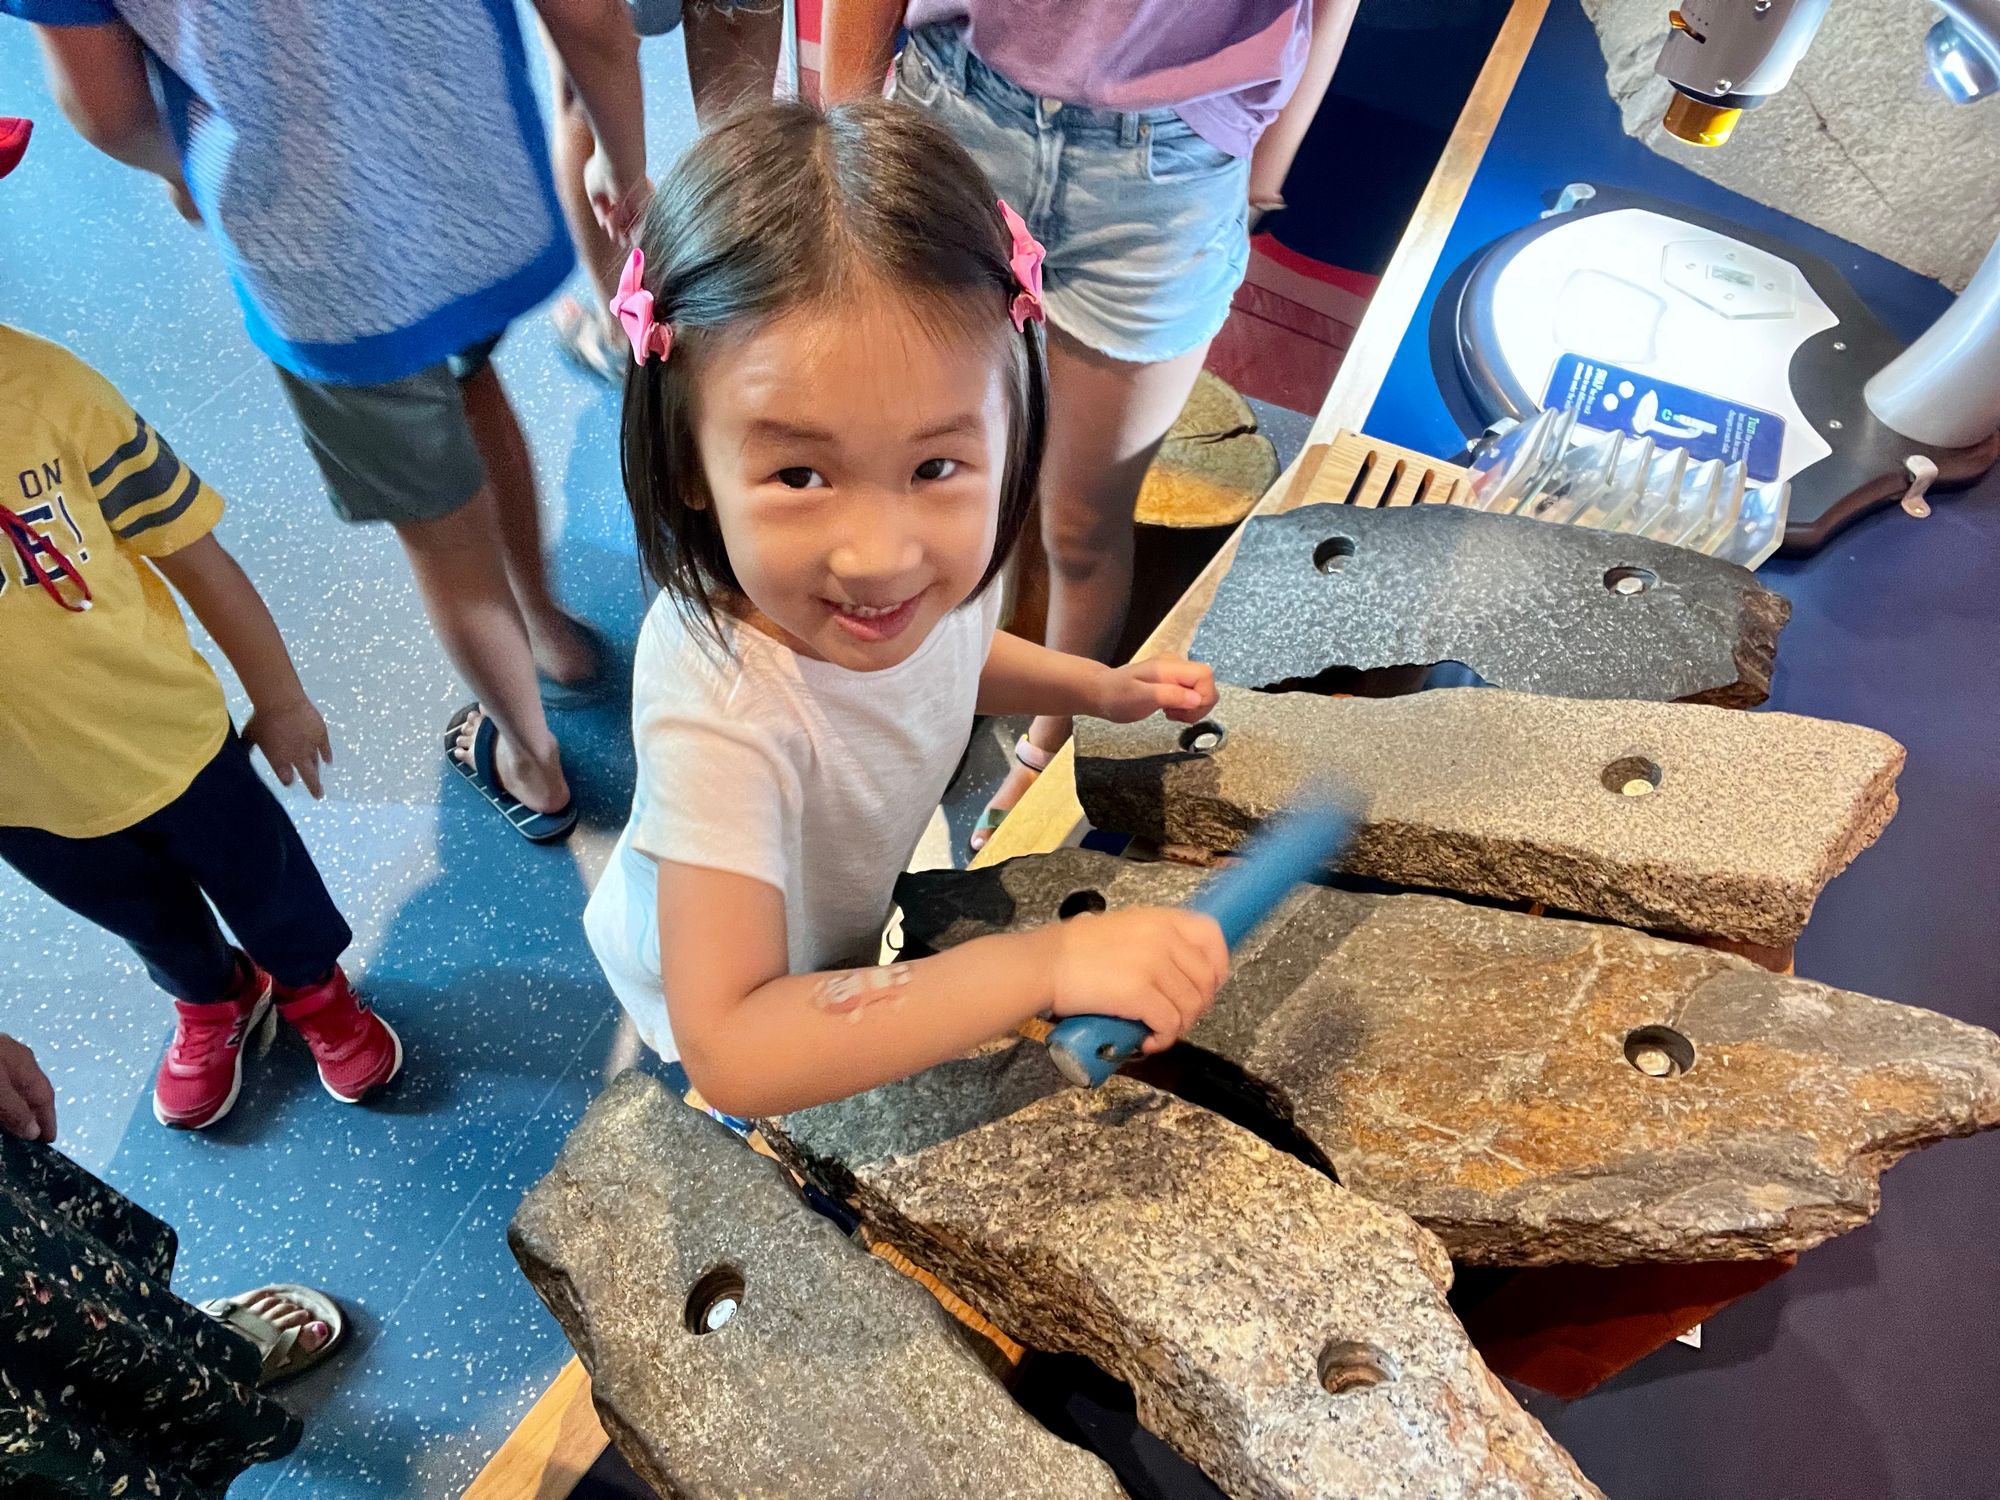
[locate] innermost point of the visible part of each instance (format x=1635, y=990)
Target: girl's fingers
x=16, y=1118
x=41, y=1099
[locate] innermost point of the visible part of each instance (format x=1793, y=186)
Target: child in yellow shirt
x=125, y=793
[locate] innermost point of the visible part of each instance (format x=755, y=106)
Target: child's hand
x=1156, y=965
x=27, y=1103
x=1183, y=690
x=292, y=736
x=618, y=206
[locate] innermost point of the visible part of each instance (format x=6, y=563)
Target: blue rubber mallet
x=1284, y=854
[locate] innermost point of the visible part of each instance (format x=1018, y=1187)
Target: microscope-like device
x=1643, y=365
x=1726, y=56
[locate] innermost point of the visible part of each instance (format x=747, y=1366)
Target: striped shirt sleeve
x=153, y=503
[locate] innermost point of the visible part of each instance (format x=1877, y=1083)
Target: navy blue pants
x=225, y=840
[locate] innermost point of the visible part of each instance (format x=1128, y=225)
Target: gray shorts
x=396, y=452
x=658, y=17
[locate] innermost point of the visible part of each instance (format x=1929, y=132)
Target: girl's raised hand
x=1182, y=690
x=1157, y=965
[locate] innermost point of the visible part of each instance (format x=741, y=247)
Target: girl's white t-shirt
x=816, y=780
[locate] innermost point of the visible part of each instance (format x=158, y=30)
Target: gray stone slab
x=915, y=1113
x=836, y=1377
x=1289, y=1337
x=1525, y=604
x=1669, y=816
x=1860, y=144
x=1493, y=1074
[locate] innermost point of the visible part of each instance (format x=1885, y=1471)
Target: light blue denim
x=1146, y=223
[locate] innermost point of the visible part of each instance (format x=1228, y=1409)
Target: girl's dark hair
x=778, y=207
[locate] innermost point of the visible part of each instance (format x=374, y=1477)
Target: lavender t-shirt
x=1226, y=66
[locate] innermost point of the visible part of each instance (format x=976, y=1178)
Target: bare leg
x=1107, y=418
x=510, y=474
x=462, y=577
x=732, y=56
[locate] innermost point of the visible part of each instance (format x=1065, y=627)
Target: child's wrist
x=1041, y=951
x=1105, y=685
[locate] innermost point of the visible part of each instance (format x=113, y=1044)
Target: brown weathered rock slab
x=1220, y=1278
x=1671, y=816
x=1526, y=605
x=1481, y=1069
x=837, y=1376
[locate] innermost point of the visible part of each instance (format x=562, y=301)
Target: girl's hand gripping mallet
x=1287, y=852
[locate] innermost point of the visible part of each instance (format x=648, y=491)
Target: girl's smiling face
x=854, y=457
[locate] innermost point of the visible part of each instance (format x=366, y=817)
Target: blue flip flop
x=484, y=776
x=588, y=690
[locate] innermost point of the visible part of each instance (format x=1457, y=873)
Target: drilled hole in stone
x=1659, y=1051
x=1204, y=738
x=1632, y=776
x=1331, y=555
x=1350, y=1365
x=1076, y=903
x=716, y=1297
x=1630, y=581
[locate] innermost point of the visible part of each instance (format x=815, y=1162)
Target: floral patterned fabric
x=110, y=1385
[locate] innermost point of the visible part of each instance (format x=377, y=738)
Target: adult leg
x=129, y=885
x=260, y=876
x=461, y=573
x=1107, y=418
x=510, y=474
x=732, y=54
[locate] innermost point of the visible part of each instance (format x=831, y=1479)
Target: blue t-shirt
x=375, y=172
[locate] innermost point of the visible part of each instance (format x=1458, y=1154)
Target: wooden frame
x=560, y=1438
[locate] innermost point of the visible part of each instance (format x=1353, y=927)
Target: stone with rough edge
x=837, y=1376
x=1525, y=604
x=1738, y=822
x=1218, y=1278
x=1470, y=1066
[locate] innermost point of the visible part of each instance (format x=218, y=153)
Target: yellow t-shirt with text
x=108, y=714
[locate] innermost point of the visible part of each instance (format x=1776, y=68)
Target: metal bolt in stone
x=1834, y=424
x=1653, y=1062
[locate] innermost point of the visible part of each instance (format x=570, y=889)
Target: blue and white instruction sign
x=1611, y=399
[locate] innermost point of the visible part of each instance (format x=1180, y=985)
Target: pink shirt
x=1225, y=66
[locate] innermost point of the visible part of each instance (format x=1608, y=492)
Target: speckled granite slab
x=1669, y=816
x=1538, y=1091
x=1562, y=610
x=835, y=1377
x=1289, y=1337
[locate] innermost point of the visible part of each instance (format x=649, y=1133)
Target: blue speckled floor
x=467, y=937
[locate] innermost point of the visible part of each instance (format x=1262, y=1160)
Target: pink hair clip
x=633, y=308
x=1026, y=259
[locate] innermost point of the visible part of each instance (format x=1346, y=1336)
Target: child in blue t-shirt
x=377, y=181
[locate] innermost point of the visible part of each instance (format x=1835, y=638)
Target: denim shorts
x=1147, y=225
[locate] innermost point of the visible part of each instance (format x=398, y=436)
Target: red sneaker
x=357, y=1051
x=203, y=1069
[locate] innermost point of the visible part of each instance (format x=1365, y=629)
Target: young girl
x=125, y=793
x=831, y=439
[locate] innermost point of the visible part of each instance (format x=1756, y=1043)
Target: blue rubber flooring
x=466, y=937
